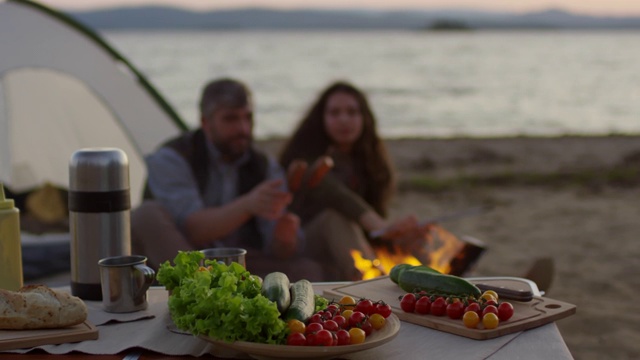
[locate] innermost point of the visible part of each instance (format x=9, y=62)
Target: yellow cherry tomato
x=487, y=297
x=490, y=321
x=296, y=326
x=347, y=302
x=471, y=319
x=357, y=335
x=347, y=314
x=492, y=293
x=377, y=321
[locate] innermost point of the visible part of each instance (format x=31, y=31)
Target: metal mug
x=125, y=280
x=226, y=255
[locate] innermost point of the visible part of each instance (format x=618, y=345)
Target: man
x=219, y=191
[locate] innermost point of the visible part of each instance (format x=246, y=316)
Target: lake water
x=420, y=84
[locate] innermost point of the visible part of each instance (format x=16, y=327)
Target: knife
x=507, y=293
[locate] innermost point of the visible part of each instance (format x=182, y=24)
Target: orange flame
x=437, y=251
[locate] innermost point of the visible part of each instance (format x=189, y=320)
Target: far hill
x=159, y=17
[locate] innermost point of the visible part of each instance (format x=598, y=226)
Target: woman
x=353, y=199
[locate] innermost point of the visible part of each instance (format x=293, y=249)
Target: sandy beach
x=590, y=230
x=574, y=199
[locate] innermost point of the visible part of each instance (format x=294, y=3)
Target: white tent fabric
x=61, y=91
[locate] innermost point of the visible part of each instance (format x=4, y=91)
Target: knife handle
x=507, y=293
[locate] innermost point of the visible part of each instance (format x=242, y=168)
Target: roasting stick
x=319, y=170
x=301, y=180
x=295, y=174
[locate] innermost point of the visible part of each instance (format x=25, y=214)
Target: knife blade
x=508, y=293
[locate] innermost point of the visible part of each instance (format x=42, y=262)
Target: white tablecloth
x=412, y=342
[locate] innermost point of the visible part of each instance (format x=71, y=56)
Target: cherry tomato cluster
x=346, y=322
x=472, y=311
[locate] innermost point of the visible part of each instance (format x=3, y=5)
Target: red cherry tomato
x=324, y=338
x=491, y=302
x=367, y=327
x=316, y=318
x=383, y=309
x=313, y=328
x=311, y=339
x=334, y=309
x=423, y=305
x=505, y=311
x=335, y=339
x=439, y=307
x=343, y=337
x=408, y=303
x=475, y=307
x=327, y=315
x=365, y=306
x=455, y=310
x=340, y=320
x=356, y=319
x=296, y=339
x=330, y=325
x=489, y=309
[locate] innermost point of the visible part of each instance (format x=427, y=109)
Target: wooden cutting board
x=19, y=339
x=527, y=315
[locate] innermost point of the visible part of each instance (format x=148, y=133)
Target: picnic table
x=149, y=338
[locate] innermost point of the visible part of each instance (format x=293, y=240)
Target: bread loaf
x=39, y=307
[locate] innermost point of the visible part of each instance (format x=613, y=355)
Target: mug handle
x=148, y=274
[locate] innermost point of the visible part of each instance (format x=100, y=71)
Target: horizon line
x=350, y=9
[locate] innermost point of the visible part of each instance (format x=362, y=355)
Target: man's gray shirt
x=173, y=184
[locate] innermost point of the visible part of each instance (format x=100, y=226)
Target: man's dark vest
x=193, y=147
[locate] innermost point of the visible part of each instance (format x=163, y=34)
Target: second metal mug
x=226, y=255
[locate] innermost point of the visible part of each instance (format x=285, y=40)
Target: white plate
x=268, y=352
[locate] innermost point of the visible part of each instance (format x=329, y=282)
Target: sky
x=587, y=7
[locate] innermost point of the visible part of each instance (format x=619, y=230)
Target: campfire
x=440, y=250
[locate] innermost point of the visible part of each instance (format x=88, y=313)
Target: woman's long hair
x=369, y=154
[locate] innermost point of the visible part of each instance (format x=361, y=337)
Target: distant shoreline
x=165, y=17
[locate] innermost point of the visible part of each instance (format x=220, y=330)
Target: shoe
x=541, y=272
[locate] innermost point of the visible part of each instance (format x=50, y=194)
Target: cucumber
x=395, y=272
x=275, y=287
x=412, y=280
x=302, y=301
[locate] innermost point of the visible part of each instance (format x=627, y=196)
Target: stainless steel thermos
x=99, y=215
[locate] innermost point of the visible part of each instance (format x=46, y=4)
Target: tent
x=63, y=88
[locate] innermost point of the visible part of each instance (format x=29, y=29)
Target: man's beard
x=230, y=150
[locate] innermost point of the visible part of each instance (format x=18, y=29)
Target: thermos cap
x=99, y=170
